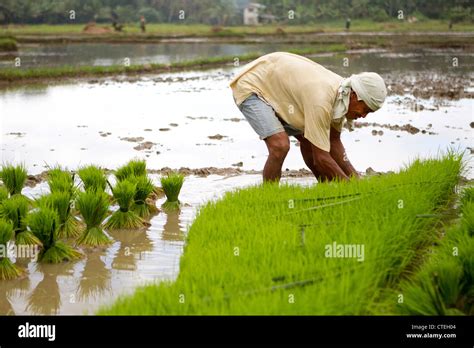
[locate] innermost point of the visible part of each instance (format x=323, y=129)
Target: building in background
x=252, y=13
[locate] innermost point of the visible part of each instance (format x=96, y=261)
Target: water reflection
x=11, y=291
x=172, y=229
x=133, y=243
x=95, y=278
x=46, y=296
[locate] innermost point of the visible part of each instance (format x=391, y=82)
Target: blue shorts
x=263, y=118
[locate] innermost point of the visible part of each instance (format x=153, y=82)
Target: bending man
x=283, y=94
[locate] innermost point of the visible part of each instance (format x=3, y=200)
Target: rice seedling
x=123, y=193
x=60, y=180
x=61, y=203
x=93, y=178
x=14, y=178
x=15, y=209
x=8, y=270
x=172, y=184
x=44, y=223
x=93, y=206
x=258, y=248
x=3, y=194
x=133, y=168
x=142, y=204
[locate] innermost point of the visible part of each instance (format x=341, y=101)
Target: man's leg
x=278, y=146
x=307, y=153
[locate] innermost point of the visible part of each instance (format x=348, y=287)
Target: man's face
x=357, y=108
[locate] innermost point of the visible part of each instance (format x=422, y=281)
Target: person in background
x=142, y=23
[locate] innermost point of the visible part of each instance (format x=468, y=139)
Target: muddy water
x=38, y=55
x=189, y=120
x=135, y=258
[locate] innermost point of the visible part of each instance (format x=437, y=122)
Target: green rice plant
x=14, y=178
x=8, y=44
x=93, y=178
x=93, y=206
x=133, y=168
x=8, y=270
x=3, y=194
x=44, y=223
x=444, y=285
x=60, y=180
x=335, y=248
x=15, y=209
x=172, y=184
x=61, y=203
x=123, y=192
x=142, y=204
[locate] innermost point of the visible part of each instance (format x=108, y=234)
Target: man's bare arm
x=326, y=166
x=338, y=153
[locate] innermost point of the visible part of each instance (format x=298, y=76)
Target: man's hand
x=338, y=153
x=326, y=166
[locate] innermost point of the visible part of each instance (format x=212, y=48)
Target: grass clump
x=14, y=178
x=248, y=252
x=60, y=180
x=142, y=204
x=8, y=270
x=8, y=44
x=45, y=224
x=93, y=178
x=124, y=217
x=133, y=168
x=61, y=203
x=172, y=184
x=444, y=285
x=93, y=206
x=15, y=209
x=3, y=194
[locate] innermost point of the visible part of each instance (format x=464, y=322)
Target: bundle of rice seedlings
x=8, y=270
x=133, y=168
x=3, y=194
x=172, y=184
x=14, y=178
x=93, y=206
x=142, y=205
x=61, y=203
x=44, y=223
x=15, y=209
x=61, y=181
x=123, y=192
x=93, y=178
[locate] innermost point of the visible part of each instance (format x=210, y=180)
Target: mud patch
x=405, y=128
x=147, y=145
x=104, y=134
x=217, y=137
x=429, y=85
x=132, y=139
x=17, y=134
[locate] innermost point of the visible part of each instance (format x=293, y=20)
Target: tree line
x=227, y=12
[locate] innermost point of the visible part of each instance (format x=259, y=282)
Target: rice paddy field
x=142, y=194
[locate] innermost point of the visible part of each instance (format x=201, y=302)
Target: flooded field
x=188, y=119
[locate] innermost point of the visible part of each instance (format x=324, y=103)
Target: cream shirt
x=300, y=91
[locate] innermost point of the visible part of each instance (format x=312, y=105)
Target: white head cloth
x=368, y=86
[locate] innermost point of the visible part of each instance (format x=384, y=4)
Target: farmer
x=283, y=94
